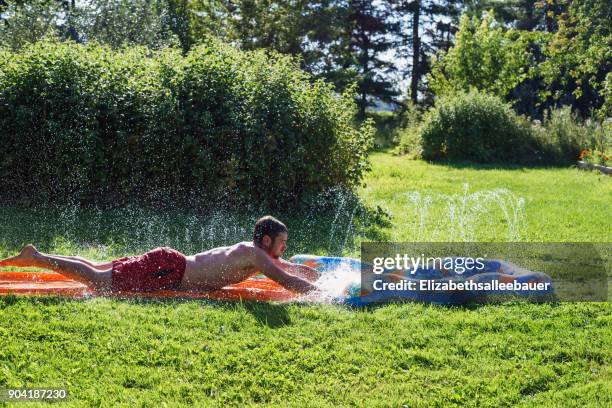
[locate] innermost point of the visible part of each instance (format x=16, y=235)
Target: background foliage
x=482, y=128
x=483, y=57
x=538, y=54
x=87, y=122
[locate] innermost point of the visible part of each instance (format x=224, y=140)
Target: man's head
x=270, y=235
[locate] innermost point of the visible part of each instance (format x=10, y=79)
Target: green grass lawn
x=116, y=352
x=560, y=204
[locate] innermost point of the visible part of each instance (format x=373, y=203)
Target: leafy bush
x=478, y=127
x=409, y=138
x=563, y=135
x=386, y=125
x=97, y=125
x=410, y=143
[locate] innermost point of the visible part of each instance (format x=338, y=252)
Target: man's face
x=277, y=247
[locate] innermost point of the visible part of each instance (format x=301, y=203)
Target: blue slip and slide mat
x=478, y=285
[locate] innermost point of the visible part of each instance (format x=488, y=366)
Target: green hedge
x=85, y=123
x=478, y=127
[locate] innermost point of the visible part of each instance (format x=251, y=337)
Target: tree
x=26, y=22
x=253, y=24
x=578, y=67
x=369, y=34
x=533, y=22
x=113, y=22
x=485, y=57
x=427, y=26
x=526, y=15
x=342, y=41
x=179, y=22
x=125, y=22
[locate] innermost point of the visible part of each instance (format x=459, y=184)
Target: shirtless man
x=166, y=268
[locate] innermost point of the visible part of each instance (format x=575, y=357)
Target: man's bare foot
x=25, y=257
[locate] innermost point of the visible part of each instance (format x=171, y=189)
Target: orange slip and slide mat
x=257, y=288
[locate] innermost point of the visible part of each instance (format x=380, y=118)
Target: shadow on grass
x=387, y=149
x=11, y=299
x=466, y=164
x=471, y=305
x=272, y=315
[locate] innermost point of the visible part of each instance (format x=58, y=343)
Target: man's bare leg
x=73, y=269
x=96, y=265
x=93, y=264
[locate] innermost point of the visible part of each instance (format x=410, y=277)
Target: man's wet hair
x=269, y=226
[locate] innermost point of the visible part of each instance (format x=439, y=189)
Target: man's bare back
x=219, y=267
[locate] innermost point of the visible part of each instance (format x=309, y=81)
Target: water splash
x=93, y=232
x=328, y=224
x=465, y=214
x=333, y=285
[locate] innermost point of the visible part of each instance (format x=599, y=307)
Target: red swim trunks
x=158, y=269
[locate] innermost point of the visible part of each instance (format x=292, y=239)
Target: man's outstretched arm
x=302, y=271
x=265, y=265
